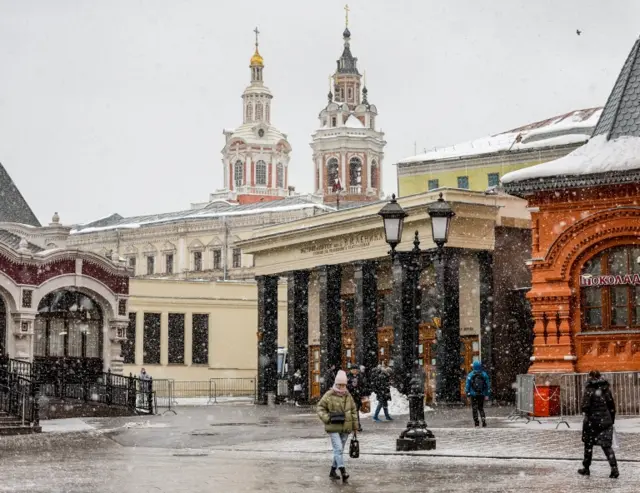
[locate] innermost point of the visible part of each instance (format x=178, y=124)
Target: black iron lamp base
x=416, y=437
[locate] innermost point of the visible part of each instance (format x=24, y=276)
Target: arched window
x=259, y=112
x=267, y=113
x=68, y=324
x=280, y=175
x=374, y=174
x=610, y=290
x=249, y=112
x=355, y=172
x=261, y=173
x=332, y=173
x=238, y=173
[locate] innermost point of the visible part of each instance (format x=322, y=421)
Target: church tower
x=256, y=154
x=347, y=148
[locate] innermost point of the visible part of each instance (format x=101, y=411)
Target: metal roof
x=13, y=206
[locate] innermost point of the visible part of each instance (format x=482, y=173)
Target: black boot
x=333, y=474
x=345, y=476
x=614, y=472
x=584, y=471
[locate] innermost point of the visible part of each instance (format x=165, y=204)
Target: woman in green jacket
x=337, y=410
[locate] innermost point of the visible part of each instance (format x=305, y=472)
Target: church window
x=259, y=112
x=374, y=174
x=169, y=263
x=249, y=112
x=280, y=175
x=350, y=94
x=261, y=173
x=238, y=173
x=236, y=258
x=334, y=121
x=355, y=172
x=197, y=261
x=332, y=172
x=217, y=259
x=267, y=112
x=151, y=262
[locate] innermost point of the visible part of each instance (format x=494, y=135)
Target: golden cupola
x=256, y=59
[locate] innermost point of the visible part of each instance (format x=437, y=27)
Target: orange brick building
x=585, y=264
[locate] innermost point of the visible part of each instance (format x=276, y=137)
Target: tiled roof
x=13, y=241
x=621, y=114
x=13, y=207
x=217, y=208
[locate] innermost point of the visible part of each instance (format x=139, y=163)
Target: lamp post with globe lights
x=406, y=268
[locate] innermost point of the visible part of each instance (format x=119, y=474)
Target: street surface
x=241, y=448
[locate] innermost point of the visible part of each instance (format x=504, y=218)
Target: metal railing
x=525, y=389
x=19, y=397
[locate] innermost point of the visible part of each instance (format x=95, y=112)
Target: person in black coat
x=381, y=385
x=356, y=387
x=599, y=411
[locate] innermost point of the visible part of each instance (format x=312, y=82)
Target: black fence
x=19, y=397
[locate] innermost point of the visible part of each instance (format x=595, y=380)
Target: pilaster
x=267, y=337
x=330, y=278
x=366, y=326
x=298, y=327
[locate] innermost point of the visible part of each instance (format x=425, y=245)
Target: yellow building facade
x=479, y=164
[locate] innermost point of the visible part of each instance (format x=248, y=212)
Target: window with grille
x=197, y=261
x=200, y=339
x=332, y=172
x=217, y=259
x=610, y=290
x=463, y=182
x=238, y=173
x=151, y=339
x=237, y=258
x=280, y=175
x=261, y=173
x=493, y=179
x=176, y=338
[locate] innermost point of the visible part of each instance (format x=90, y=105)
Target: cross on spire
x=257, y=32
x=346, y=15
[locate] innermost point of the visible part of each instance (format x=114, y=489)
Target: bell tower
x=348, y=149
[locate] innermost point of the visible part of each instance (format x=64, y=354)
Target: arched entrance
x=68, y=336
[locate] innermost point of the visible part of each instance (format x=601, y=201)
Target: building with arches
x=57, y=303
x=348, y=148
x=255, y=156
x=585, y=264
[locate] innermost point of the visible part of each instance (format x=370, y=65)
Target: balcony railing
x=248, y=190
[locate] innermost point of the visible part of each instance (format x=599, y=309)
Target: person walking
x=337, y=410
x=355, y=386
x=145, y=389
x=477, y=389
x=381, y=385
x=297, y=387
x=599, y=411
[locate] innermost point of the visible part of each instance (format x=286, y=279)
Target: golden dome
x=256, y=59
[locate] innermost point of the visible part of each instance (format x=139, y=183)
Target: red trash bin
x=546, y=401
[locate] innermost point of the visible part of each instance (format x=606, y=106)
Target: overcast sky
x=119, y=105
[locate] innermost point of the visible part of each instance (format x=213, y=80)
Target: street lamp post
x=416, y=436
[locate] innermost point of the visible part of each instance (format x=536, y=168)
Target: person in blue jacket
x=477, y=389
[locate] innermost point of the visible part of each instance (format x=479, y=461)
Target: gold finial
x=257, y=32
x=256, y=59
x=346, y=15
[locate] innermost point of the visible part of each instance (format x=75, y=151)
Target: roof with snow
x=13, y=241
x=574, y=127
x=218, y=208
x=611, y=157
x=13, y=206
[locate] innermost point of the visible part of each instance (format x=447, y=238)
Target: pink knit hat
x=341, y=377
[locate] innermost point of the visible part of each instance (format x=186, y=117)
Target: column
x=448, y=354
x=298, y=328
x=406, y=274
x=485, y=259
x=164, y=338
x=366, y=305
x=330, y=279
x=267, y=336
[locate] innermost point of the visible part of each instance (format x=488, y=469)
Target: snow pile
x=66, y=425
x=398, y=405
x=599, y=155
x=144, y=424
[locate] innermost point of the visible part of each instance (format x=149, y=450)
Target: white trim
x=570, y=357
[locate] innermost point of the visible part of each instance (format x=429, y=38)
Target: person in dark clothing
x=329, y=378
x=355, y=388
x=477, y=389
x=599, y=411
x=381, y=385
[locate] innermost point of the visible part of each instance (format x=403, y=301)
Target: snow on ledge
x=599, y=155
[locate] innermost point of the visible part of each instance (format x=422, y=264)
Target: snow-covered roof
x=353, y=122
x=613, y=153
x=247, y=133
x=571, y=128
x=212, y=210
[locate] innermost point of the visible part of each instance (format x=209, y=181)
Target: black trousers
x=477, y=406
x=588, y=455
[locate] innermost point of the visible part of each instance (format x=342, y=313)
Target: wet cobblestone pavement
x=251, y=450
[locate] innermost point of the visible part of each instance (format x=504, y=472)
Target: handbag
x=354, y=448
x=336, y=417
x=615, y=443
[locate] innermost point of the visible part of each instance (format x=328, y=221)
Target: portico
x=344, y=294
